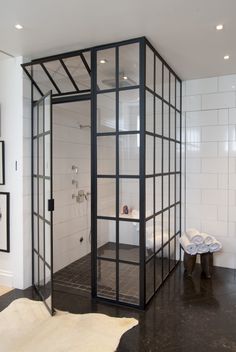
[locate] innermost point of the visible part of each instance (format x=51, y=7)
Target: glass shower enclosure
x=135, y=163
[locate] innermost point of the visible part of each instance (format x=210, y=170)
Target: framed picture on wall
x=2, y=163
x=4, y=222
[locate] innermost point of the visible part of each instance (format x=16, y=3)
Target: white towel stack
x=194, y=242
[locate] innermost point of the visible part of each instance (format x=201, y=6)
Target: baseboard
x=6, y=278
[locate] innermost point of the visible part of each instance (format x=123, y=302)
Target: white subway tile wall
x=209, y=144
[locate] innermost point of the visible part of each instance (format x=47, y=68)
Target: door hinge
x=50, y=204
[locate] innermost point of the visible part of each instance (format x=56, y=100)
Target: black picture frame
x=5, y=217
x=2, y=163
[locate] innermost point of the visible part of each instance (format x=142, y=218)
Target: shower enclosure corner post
x=93, y=174
x=142, y=174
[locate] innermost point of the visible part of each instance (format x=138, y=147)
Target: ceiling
x=183, y=31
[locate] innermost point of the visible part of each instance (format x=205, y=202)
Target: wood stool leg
x=189, y=263
x=207, y=264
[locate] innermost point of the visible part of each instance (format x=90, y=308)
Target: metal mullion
x=37, y=155
x=104, y=134
x=44, y=192
x=120, y=261
x=94, y=215
x=85, y=64
x=69, y=74
x=32, y=178
x=51, y=197
x=162, y=170
x=31, y=78
x=117, y=175
x=142, y=185
x=154, y=171
x=175, y=173
x=120, y=176
x=180, y=191
x=169, y=171
x=113, y=90
x=72, y=93
x=50, y=78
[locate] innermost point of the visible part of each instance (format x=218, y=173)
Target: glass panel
x=165, y=261
x=149, y=196
x=149, y=68
x=40, y=160
x=35, y=121
x=177, y=214
x=35, y=181
x=106, y=197
x=78, y=70
x=41, y=197
x=158, y=269
x=47, y=197
x=178, y=97
x=47, y=114
x=149, y=238
x=177, y=126
x=149, y=155
x=129, y=65
x=172, y=123
x=47, y=161
x=172, y=254
x=166, y=156
x=177, y=188
x=172, y=89
x=106, y=78
x=129, y=241
x=40, y=119
x=106, y=155
x=129, y=198
x=166, y=120
x=158, y=232
x=166, y=83
x=35, y=161
x=158, y=200
x=172, y=221
x=36, y=270
x=48, y=244
x=172, y=189
x=149, y=279
x=158, y=155
x=158, y=117
x=41, y=238
x=106, y=238
x=165, y=226
x=106, y=279
x=165, y=191
x=158, y=76
x=129, y=154
x=106, y=112
x=35, y=232
x=42, y=80
x=129, y=283
x=178, y=146
x=172, y=156
x=149, y=112
x=59, y=76
x=129, y=119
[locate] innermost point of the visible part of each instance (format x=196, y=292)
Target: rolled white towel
x=208, y=239
x=215, y=246
x=194, y=236
x=190, y=248
x=202, y=248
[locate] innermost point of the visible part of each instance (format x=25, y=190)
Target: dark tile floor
x=184, y=316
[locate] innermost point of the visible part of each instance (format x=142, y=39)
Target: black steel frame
x=7, y=196
x=2, y=165
x=78, y=95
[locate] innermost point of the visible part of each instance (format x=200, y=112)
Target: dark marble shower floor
x=77, y=275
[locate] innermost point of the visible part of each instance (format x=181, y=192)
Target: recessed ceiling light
x=18, y=26
x=103, y=61
x=219, y=27
x=226, y=57
x=125, y=78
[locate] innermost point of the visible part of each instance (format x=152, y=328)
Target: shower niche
x=119, y=106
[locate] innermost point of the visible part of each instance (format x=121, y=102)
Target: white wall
x=209, y=130
x=11, y=94
x=71, y=146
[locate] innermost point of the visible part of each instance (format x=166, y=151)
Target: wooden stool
x=189, y=263
x=207, y=264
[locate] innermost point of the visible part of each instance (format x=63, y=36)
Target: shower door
x=43, y=203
